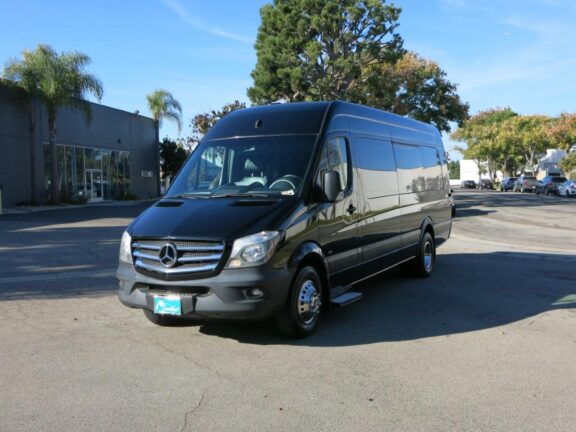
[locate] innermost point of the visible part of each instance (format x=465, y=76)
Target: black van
x=281, y=209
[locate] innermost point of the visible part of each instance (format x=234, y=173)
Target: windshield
x=264, y=166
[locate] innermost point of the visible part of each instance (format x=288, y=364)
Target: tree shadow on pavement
x=467, y=292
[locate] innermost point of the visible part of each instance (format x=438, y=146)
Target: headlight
x=253, y=250
x=125, y=248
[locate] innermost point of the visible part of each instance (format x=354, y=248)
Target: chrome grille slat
x=175, y=270
x=139, y=254
x=191, y=256
x=186, y=259
x=146, y=246
x=201, y=248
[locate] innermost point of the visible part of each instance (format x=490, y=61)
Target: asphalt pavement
x=486, y=344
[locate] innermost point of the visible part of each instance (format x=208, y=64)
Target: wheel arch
x=310, y=253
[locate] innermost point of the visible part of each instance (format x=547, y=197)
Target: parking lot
x=487, y=343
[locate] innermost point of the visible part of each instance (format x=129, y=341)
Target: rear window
x=558, y=179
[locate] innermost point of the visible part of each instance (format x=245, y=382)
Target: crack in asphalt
x=192, y=411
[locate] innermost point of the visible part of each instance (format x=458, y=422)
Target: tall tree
x=349, y=50
x=533, y=135
x=201, y=123
x=563, y=131
x=59, y=80
x=568, y=164
x=415, y=87
x=172, y=156
x=163, y=106
x=485, y=138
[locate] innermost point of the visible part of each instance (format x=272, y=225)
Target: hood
x=211, y=219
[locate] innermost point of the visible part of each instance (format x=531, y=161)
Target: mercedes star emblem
x=168, y=255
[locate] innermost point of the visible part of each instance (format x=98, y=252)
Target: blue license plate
x=167, y=305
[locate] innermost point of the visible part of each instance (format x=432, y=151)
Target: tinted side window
x=375, y=155
x=432, y=170
x=410, y=174
x=334, y=157
x=377, y=166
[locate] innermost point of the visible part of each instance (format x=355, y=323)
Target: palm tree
x=59, y=81
x=163, y=105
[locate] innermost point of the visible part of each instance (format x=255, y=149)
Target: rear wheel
x=423, y=264
x=300, y=316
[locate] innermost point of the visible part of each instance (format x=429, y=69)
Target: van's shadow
x=468, y=292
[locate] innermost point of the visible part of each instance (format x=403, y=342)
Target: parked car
x=304, y=204
x=507, y=184
x=525, y=184
x=567, y=189
x=549, y=185
x=485, y=184
x=468, y=184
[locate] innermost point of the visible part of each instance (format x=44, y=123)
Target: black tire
x=300, y=316
x=423, y=264
x=162, y=320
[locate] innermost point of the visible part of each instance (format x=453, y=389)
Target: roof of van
x=302, y=118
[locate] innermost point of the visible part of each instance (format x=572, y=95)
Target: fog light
x=235, y=263
x=255, y=293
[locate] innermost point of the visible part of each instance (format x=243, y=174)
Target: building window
x=89, y=174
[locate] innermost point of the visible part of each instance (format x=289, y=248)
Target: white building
x=548, y=164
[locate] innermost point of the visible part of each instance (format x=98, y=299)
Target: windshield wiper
x=241, y=194
x=187, y=195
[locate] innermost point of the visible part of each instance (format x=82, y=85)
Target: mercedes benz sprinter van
x=282, y=209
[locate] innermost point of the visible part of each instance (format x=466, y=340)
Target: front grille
x=177, y=257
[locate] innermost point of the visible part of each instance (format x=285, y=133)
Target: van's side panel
x=423, y=186
x=337, y=227
x=379, y=230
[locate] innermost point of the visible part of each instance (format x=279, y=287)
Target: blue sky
x=517, y=53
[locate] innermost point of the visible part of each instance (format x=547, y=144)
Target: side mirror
x=330, y=186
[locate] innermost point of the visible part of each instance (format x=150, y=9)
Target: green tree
x=415, y=87
x=350, y=50
x=201, y=123
x=163, y=106
x=488, y=139
x=172, y=156
x=312, y=50
x=454, y=169
x=568, y=164
x=59, y=80
x=533, y=136
x=563, y=131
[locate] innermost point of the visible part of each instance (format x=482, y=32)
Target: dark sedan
x=468, y=184
x=485, y=184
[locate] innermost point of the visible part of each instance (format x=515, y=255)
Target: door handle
x=351, y=209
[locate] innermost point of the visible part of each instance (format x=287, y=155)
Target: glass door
x=94, y=185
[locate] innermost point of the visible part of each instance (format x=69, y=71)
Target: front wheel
x=300, y=316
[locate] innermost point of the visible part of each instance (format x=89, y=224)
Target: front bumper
x=226, y=295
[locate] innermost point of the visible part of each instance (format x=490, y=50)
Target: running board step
x=346, y=298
